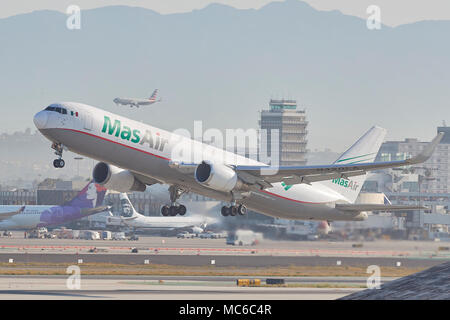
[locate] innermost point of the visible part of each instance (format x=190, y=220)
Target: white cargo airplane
x=137, y=102
x=133, y=155
x=130, y=217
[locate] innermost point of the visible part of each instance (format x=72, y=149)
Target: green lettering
x=111, y=128
x=126, y=133
x=136, y=136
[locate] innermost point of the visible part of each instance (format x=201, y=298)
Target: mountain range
x=222, y=65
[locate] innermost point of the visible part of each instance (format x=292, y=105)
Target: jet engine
x=114, y=178
x=218, y=177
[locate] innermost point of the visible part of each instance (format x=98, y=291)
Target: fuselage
x=141, y=221
x=38, y=216
x=134, y=101
x=148, y=151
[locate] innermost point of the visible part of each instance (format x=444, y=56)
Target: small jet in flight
x=86, y=203
x=137, y=102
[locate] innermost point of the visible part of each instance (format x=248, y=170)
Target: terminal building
x=434, y=174
x=283, y=121
x=423, y=184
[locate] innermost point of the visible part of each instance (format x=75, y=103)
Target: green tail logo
x=285, y=186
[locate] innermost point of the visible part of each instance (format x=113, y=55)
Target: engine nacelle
x=218, y=177
x=114, y=178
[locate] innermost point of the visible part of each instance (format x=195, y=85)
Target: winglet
x=428, y=151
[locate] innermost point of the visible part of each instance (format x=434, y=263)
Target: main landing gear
x=58, y=163
x=233, y=210
x=174, y=208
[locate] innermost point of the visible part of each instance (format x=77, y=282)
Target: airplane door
x=87, y=120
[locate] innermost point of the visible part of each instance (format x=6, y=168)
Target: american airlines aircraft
x=130, y=217
x=86, y=203
x=137, y=102
x=133, y=155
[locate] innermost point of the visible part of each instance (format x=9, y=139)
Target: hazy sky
x=393, y=12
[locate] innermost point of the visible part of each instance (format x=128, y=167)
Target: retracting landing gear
x=174, y=208
x=58, y=163
x=233, y=210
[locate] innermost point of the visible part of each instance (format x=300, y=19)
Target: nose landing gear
x=59, y=163
x=59, y=148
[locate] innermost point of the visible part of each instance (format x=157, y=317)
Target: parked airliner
x=130, y=217
x=86, y=203
x=133, y=155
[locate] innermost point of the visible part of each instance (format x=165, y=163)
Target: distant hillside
x=222, y=65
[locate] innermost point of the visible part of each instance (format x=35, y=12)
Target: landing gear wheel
x=242, y=210
x=165, y=211
x=173, y=210
x=225, y=211
x=233, y=210
x=59, y=163
x=181, y=210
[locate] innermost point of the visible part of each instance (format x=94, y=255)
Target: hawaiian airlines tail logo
x=153, y=141
x=90, y=197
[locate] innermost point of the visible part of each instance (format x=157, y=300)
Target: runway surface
x=44, y=254
x=54, y=287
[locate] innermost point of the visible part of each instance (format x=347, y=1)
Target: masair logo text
x=346, y=183
x=126, y=133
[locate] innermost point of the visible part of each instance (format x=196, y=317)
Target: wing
x=378, y=207
x=95, y=210
x=264, y=176
x=8, y=215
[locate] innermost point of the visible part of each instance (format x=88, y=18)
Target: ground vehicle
x=243, y=238
x=119, y=236
x=39, y=233
x=208, y=235
x=133, y=237
x=185, y=235
x=106, y=235
x=90, y=235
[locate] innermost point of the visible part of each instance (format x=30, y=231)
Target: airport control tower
x=291, y=123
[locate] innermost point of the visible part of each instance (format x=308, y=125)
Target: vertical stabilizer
x=362, y=151
x=126, y=208
x=91, y=196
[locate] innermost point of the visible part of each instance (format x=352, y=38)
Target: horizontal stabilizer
x=89, y=211
x=8, y=215
x=378, y=207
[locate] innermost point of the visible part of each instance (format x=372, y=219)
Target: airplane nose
x=40, y=119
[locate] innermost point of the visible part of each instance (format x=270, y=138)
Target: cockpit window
x=56, y=109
